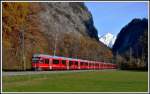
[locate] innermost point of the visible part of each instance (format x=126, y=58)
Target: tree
x=15, y=17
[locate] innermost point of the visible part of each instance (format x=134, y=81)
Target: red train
x=47, y=62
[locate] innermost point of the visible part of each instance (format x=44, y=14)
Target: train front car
x=39, y=62
x=36, y=60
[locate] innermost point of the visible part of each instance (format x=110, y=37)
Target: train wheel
x=34, y=69
x=39, y=69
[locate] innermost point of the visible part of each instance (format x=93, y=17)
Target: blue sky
x=112, y=16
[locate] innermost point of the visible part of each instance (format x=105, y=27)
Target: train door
x=60, y=64
x=79, y=65
x=99, y=65
x=50, y=63
x=88, y=65
x=55, y=64
x=73, y=65
x=67, y=63
x=64, y=64
x=46, y=63
x=76, y=64
x=70, y=64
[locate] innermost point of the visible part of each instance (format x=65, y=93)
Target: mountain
x=43, y=27
x=132, y=42
x=108, y=39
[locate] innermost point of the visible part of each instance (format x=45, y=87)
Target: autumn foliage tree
x=19, y=26
x=15, y=21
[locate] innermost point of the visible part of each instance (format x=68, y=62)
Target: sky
x=112, y=16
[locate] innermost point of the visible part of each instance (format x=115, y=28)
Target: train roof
x=57, y=57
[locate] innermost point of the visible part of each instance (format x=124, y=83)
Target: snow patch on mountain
x=108, y=39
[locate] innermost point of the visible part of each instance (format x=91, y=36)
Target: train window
x=64, y=62
x=70, y=63
x=90, y=64
x=41, y=60
x=46, y=61
x=55, y=61
x=81, y=63
x=35, y=59
x=86, y=64
x=76, y=62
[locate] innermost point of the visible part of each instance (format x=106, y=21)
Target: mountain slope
x=129, y=36
x=69, y=26
x=108, y=39
x=132, y=42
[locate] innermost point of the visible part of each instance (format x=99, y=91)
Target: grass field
x=95, y=81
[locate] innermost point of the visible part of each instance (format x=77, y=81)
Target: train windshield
x=36, y=59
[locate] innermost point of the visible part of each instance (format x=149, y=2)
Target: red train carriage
x=47, y=62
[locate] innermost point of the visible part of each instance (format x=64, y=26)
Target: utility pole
x=23, y=48
x=55, y=45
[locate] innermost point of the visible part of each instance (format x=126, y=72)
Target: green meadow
x=93, y=81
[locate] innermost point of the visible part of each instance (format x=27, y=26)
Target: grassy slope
x=98, y=81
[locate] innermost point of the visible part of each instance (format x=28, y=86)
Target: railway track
x=47, y=72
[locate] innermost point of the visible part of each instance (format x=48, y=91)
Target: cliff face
x=67, y=17
x=69, y=26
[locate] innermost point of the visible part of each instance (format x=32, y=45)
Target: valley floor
x=87, y=81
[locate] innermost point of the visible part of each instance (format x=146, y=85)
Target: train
x=48, y=62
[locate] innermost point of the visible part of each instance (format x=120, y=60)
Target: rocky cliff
x=67, y=17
